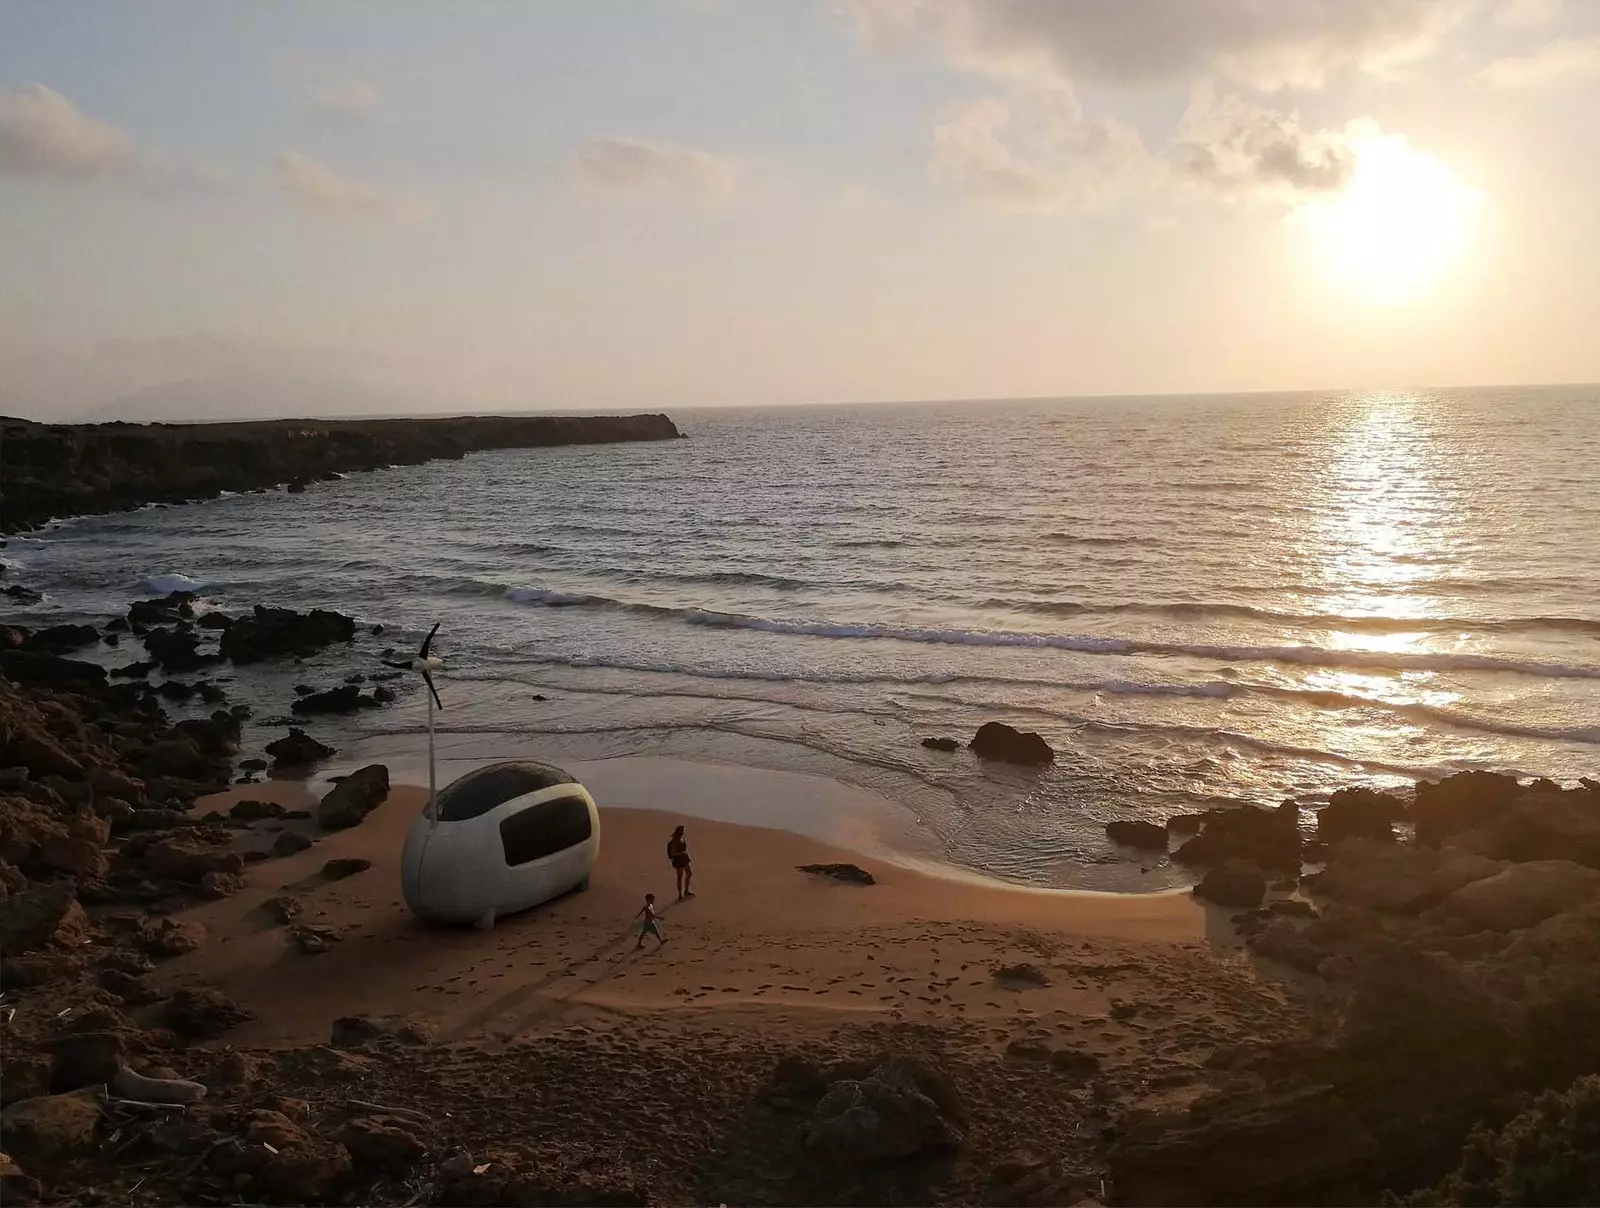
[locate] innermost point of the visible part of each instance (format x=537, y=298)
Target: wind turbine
x=427, y=664
x=497, y=840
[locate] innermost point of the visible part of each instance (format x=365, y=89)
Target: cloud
x=324, y=90
x=1555, y=63
x=1040, y=151
x=635, y=164
x=1245, y=151
x=43, y=134
x=1036, y=152
x=1519, y=14
x=1262, y=43
x=318, y=189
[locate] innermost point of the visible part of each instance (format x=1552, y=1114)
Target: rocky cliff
x=48, y=471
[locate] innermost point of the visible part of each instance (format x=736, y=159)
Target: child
x=651, y=924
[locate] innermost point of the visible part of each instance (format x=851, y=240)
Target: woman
x=678, y=857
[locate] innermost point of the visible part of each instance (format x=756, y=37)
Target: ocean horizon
x=1196, y=599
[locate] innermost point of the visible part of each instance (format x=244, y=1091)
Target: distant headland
x=51, y=471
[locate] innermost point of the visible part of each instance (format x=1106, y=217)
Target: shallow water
x=1194, y=600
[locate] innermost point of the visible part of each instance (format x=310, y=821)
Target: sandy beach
x=760, y=943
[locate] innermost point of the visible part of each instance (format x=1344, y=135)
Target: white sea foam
x=165, y=585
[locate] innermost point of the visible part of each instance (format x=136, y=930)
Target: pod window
x=544, y=829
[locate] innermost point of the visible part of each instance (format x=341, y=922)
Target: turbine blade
x=428, y=679
x=428, y=641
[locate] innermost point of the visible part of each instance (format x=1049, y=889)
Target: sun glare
x=1402, y=226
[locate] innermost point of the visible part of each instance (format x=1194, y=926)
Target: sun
x=1401, y=227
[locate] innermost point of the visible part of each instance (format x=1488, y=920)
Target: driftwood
x=153, y=1091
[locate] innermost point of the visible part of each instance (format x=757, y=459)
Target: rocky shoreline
x=1441, y=950
x=54, y=471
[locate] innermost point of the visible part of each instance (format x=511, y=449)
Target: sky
x=228, y=208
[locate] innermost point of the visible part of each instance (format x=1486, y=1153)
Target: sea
x=1196, y=600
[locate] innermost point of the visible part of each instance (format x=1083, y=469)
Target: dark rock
x=354, y=797
x=253, y=811
x=59, y=639
x=51, y=1128
x=218, y=885
x=1299, y=1146
x=1524, y=894
x=892, y=1113
x=941, y=744
x=157, y=820
x=281, y=909
x=199, y=1014
x=39, y=916
x=289, y=843
x=282, y=632
x=1144, y=835
x=135, y=670
x=1459, y=803
x=189, y=856
x=387, y=1143
x=23, y=1075
x=174, y=650
x=996, y=740
x=215, y=736
x=163, y=610
x=178, y=757
x=297, y=748
x=346, y=698
x=338, y=870
x=1359, y=813
x=1268, y=838
x=171, y=937
x=353, y=1031
x=1383, y=876
x=50, y=671
x=253, y=765
x=305, y=1172
x=84, y=1059
x=213, y=620
x=1233, y=883
x=846, y=874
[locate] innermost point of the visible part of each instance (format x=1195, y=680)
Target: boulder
x=887, y=1115
x=297, y=748
x=998, y=741
x=382, y=1142
x=1233, y=883
x=43, y=915
x=1540, y=825
x=1523, y=895
x=305, y=1172
x=1381, y=875
x=24, y=1075
x=50, y=671
x=845, y=874
x=289, y=843
x=202, y=1013
x=348, y=866
x=282, y=632
x=254, y=811
x=1463, y=802
x=178, y=757
x=1267, y=838
x=41, y=755
x=941, y=744
x=51, y=1127
x=1146, y=836
x=84, y=1059
x=1359, y=813
x=58, y=639
x=76, y=856
x=174, y=650
x=1300, y=1146
x=354, y=797
x=217, y=735
x=188, y=856
x=346, y=698
x=171, y=937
